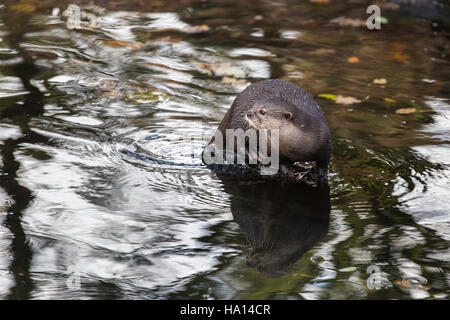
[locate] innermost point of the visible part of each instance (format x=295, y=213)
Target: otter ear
x=288, y=115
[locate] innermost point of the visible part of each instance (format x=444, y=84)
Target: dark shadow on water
x=21, y=114
x=282, y=221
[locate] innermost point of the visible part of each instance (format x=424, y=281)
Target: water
x=101, y=197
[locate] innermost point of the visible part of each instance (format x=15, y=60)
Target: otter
x=279, y=104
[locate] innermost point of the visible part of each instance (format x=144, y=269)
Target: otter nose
x=249, y=114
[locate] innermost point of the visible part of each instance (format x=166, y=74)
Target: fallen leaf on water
x=388, y=5
x=409, y=285
x=348, y=22
x=223, y=69
x=123, y=44
x=400, y=56
x=405, y=110
x=380, y=81
x=196, y=29
x=390, y=100
x=353, y=59
x=328, y=96
x=157, y=3
x=382, y=20
x=399, y=49
x=22, y=7
x=320, y=1
x=288, y=67
x=144, y=96
x=231, y=80
x=228, y=69
x=323, y=51
x=348, y=269
x=346, y=100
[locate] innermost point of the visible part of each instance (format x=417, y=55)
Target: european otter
x=280, y=104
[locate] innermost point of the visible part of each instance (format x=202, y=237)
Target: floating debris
x=124, y=44
x=405, y=110
x=380, y=81
x=353, y=59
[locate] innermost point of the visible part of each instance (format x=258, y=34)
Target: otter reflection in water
x=282, y=220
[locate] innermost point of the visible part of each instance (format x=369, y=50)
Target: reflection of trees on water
x=20, y=113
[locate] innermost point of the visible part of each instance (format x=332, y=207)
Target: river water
x=102, y=119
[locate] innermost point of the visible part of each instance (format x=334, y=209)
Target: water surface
x=103, y=198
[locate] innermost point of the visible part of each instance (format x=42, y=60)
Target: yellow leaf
x=390, y=100
x=328, y=96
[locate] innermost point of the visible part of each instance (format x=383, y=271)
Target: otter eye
x=262, y=111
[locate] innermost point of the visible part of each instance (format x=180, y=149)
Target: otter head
x=299, y=132
x=272, y=113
